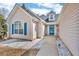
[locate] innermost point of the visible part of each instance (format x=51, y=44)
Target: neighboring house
x=68, y=25
x=25, y=24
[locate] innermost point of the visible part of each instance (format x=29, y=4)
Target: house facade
x=24, y=24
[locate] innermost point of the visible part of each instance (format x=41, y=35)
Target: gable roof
x=33, y=14
x=51, y=12
x=27, y=10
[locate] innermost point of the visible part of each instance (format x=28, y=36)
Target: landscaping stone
x=62, y=49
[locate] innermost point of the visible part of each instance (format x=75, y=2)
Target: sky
x=38, y=8
x=7, y=6
x=44, y=8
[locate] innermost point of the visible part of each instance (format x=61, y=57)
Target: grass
x=8, y=51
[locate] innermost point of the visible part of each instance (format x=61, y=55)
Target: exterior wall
x=35, y=27
x=23, y=17
x=46, y=30
x=34, y=31
x=69, y=27
x=41, y=29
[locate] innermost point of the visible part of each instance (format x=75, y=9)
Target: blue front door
x=51, y=29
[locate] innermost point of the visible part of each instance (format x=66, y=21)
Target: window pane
x=20, y=31
x=16, y=31
x=51, y=17
x=18, y=27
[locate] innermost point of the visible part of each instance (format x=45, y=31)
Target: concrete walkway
x=49, y=48
x=15, y=43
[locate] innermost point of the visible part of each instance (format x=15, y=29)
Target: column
x=55, y=30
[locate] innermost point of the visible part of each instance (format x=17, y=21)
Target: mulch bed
x=9, y=51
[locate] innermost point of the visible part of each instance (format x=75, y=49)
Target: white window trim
x=18, y=28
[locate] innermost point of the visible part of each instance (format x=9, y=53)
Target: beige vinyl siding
x=23, y=17
x=69, y=27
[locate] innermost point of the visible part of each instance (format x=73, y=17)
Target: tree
x=3, y=27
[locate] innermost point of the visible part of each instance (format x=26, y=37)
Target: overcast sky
x=38, y=8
